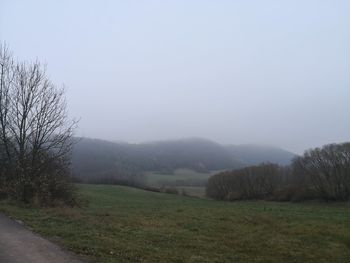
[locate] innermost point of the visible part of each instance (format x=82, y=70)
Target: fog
x=235, y=72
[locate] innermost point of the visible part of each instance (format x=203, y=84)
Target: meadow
x=178, y=177
x=186, y=181
x=122, y=224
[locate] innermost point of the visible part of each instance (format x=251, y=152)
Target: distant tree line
x=35, y=134
x=321, y=173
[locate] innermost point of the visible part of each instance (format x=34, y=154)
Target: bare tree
x=328, y=169
x=253, y=182
x=36, y=133
x=6, y=80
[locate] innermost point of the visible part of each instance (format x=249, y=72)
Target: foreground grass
x=123, y=224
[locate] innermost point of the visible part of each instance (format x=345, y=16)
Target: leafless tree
x=328, y=169
x=254, y=182
x=6, y=80
x=36, y=133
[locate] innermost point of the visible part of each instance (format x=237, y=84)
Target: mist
x=267, y=72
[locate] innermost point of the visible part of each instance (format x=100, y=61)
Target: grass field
x=184, y=180
x=121, y=224
x=180, y=176
x=196, y=191
x=192, y=182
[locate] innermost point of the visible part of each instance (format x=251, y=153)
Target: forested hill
x=94, y=158
x=251, y=154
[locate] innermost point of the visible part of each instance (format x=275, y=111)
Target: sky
x=236, y=72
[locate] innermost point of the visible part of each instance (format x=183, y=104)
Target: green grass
x=196, y=191
x=122, y=224
x=182, y=177
x=185, y=180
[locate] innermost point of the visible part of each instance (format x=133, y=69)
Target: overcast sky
x=272, y=72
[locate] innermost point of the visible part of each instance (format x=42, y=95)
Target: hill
x=97, y=160
x=251, y=154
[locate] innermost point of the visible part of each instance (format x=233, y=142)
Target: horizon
x=201, y=139
x=234, y=72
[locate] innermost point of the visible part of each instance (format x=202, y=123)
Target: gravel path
x=19, y=245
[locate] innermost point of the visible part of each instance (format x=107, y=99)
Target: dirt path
x=19, y=245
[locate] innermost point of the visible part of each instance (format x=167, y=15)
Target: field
x=179, y=177
x=185, y=180
x=121, y=224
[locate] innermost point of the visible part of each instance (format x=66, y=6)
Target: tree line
x=320, y=173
